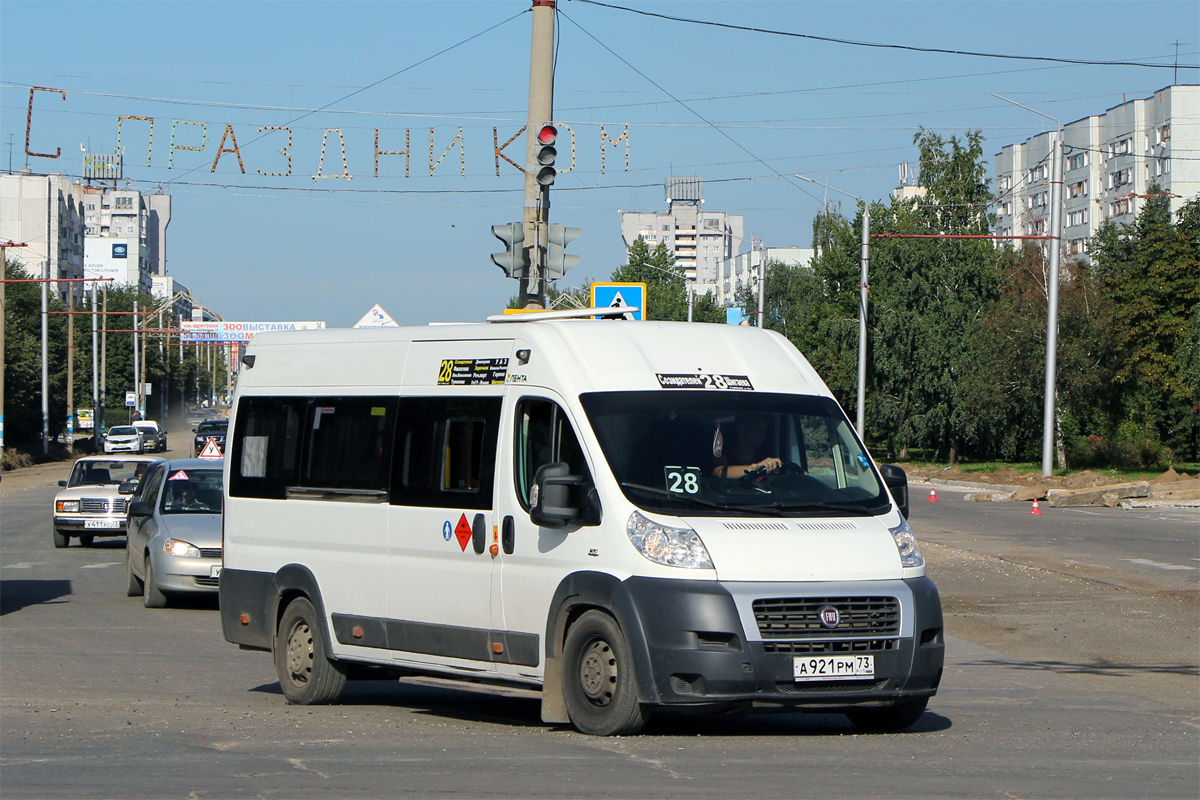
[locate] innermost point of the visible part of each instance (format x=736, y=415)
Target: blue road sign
x=617, y=295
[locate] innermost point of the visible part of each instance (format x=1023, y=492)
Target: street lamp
x=864, y=287
x=1056, y=176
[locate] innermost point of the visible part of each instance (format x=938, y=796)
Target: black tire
x=61, y=538
x=884, y=720
x=86, y=539
x=133, y=586
x=599, y=682
x=306, y=674
x=152, y=596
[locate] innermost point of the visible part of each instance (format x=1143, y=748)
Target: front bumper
x=122, y=447
x=699, y=654
x=175, y=574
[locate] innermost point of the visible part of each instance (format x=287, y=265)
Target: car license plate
x=214, y=572
x=101, y=523
x=833, y=668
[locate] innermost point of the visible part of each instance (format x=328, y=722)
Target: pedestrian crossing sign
x=620, y=295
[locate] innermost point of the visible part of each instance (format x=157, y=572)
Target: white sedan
x=124, y=439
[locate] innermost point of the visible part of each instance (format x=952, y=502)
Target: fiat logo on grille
x=830, y=617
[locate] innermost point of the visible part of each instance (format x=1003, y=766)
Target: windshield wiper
x=847, y=506
x=674, y=496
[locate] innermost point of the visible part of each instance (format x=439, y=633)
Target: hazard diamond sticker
x=463, y=532
x=211, y=450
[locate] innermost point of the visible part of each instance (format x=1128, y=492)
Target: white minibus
x=625, y=514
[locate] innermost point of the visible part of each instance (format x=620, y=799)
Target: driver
x=745, y=452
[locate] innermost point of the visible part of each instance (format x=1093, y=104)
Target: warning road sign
x=211, y=450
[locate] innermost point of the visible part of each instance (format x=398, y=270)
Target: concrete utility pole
x=536, y=214
x=756, y=246
x=45, y=325
x=136, y=372
x=1056, y=177
x=101, y=411
x=864, y=289
x=95, y=377
x=71, y=367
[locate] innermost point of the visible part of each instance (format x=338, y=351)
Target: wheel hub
x=300, y=653
x=598, y=673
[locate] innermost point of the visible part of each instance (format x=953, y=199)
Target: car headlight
x=674, y=547
x=66, y=506
x=906, y=543
x=178, y=547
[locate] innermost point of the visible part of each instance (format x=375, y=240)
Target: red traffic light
x=547, y=134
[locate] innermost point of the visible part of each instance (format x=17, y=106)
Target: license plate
x=833, y=668
x=101, y=523
x=214, y=572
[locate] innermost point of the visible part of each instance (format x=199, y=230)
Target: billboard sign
x=222, y=331
x=106, y=258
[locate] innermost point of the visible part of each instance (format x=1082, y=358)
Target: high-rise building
x=126, y=235
x=44, y=212
x=1110, y=161
x=699, y=239
x=744, y=270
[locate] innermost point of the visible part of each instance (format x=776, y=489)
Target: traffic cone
x=1035, y=509
x=933, y=495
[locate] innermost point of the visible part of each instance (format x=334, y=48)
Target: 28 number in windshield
x=682, y=480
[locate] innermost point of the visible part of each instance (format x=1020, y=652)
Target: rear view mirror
x=128, y=487
x=140, y=508
x=558, y=498
x=897, y=481
x=62, y=483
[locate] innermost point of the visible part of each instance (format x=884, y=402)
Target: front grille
x=204, y=580
x=102, y=505
x=800, y=617
x=847, y=646
x=828, y=687
x=210, y=552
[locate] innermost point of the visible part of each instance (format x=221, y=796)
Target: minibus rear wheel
x=599, y=685
x=306, y=675
x=895, y=718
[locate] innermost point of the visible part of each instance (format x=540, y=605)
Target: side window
x=445, y=452
x=348, y=443
x=544, y=436
x=266, y=446
x=148, y=489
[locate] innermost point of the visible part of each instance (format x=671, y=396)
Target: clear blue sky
x=262, y=247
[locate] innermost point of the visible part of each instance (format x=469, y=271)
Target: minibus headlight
x=674, y=547
x=178, y=547
x=67, y=506
x=906, y=543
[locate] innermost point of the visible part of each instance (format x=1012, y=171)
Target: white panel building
x=743, y=270
x=699, y=239
x=1109, y=162
x=44, y=212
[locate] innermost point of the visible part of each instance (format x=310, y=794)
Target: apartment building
x=45, y=213
x=744, y=270
x=699, y=239
x=1110, y=160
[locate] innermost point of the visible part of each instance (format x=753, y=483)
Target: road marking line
x=21, y=566
x=101, y=566
x=1147, y=562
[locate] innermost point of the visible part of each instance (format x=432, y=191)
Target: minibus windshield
x=735, y=453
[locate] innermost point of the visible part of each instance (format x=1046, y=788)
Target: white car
x=89, y=504
x=124, y=439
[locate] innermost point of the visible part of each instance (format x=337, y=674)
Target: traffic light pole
x=541, y=112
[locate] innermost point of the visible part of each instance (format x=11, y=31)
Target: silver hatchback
x=174, y=540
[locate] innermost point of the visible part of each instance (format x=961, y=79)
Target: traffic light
x=513, y=260
x=557, y=239
x=544, y=154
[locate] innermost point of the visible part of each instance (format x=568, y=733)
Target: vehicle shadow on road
x=15, y=595
x=525, y=712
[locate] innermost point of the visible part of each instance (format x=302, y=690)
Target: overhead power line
x=886, y=46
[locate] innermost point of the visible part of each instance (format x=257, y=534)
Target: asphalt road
x=100, y=697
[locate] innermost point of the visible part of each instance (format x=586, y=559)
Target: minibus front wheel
x=599, y=684
x=306, y=674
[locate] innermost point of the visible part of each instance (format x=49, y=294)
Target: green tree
x=1149, y=273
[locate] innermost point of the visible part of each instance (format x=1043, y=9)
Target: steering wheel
x=790, y=468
